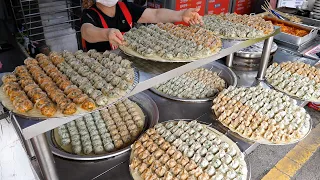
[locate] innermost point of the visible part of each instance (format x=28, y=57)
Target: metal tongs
x=268, y=8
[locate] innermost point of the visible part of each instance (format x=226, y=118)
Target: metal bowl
x=225, y=73
x=150, y=111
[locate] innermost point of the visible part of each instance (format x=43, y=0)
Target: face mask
x=108, y=3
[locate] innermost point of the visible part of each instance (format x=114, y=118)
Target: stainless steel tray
x=291, y=39
x=25, y=116
x=148, y=107
x=220, y=135
x=225, y=73
x=255, y=51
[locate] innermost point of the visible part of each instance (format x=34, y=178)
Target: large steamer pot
x=248, y=59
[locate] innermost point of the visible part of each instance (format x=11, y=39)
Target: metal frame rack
x=37, y=18
x=35, y=130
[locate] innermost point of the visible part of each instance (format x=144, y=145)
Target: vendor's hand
x=114, y=36
x=192, y=17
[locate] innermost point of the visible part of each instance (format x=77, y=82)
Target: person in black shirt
x=105, y=22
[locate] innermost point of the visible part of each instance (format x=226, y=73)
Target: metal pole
x=26, y=143
x=229, y=60
x=44, y=157
x=265, y=58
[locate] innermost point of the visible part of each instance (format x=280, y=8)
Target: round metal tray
x=221, y=136
x=150, y=111
x=26, y=116
x=239, y=136
x=255, y=51
x=225, y=73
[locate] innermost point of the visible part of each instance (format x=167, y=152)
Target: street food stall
x=175, y=101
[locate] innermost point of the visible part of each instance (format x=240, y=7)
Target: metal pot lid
x=255, y=51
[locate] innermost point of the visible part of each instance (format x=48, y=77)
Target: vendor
x=104, y=23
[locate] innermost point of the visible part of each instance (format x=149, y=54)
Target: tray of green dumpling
x=198, y=85
x=105, y=133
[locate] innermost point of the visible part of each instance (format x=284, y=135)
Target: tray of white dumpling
x=198, y=85
x=105, y=133
x=171, y=43
x=262, y=115
x=186, y=149
x=297, y=79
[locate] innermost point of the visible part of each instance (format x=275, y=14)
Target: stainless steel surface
x=32, y=128
x=249, y=58
x=44, y=157
x=229, y=60
x=150, y=110
x=245, y=64
x=224, y=72
x=25, y=143
x=295, y=40
x=265, y=58
x=255, y=51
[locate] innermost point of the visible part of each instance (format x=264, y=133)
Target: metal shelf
x=60, y=17
x=51, y=25
x=148, y=79
x=32, y=15
x=56, y=37
x=35, y=4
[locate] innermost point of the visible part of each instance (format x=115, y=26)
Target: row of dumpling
x=185, y=150
x=196, y=84
x=202, y=37
x=99, y=82
x=261, y=114
x=230, y=29
x=163, y=44
x=48, y=88
x=103, y=131
x=296, y=79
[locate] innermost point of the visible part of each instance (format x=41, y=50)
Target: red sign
x=186, y=4
x=218, y=6
x=243, y=6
